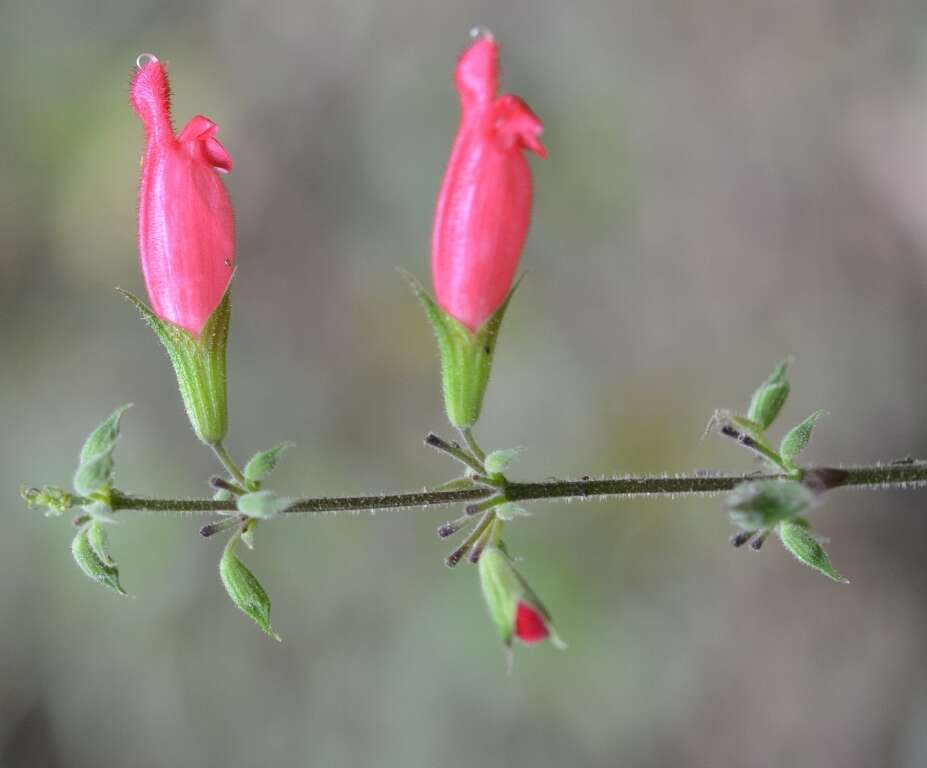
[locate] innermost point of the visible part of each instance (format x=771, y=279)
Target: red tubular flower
x=186, y=233
x=484, y=205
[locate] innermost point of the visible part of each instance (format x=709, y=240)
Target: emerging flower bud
x=186, y=248
x=516, y=610
x=186, y=236
x=480, y=226
x=484, y=205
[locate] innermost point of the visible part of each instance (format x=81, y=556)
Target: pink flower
x=186, y=232
x=484, y=205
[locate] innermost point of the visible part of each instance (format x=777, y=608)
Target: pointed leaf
x=95, y=469
x=797, y=540
x=94, y=474
x=498, y=461
x=244, y=589
x=104, y=437
x=798, y=437
x=102, y=570
x=263, y=463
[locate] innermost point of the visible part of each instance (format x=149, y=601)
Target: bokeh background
x=728, y=183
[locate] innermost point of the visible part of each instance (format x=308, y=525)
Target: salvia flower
x=186, y=232
x=515, y=609
x=480, y=226
x=186, y=244
x=484, y=205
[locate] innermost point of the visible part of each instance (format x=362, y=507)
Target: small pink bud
x=186, y=232
x=530, y=624
x=484, y=205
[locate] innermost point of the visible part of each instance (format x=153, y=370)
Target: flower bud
x=515, y=609
x=770, y=396
x=481, y=222
x=186, y=248
x=484, y=205
x=186, y=232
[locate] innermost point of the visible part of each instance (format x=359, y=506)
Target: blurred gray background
x=728, y=183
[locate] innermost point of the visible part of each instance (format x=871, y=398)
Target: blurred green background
x=728, y=183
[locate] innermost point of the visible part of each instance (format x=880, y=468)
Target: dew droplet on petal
x=144, y=59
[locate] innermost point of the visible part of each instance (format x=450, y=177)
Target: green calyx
x=501, y=589
x=466, y=357
x=199, y=362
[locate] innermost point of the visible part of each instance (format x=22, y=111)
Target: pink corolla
x=186, y=231
x=484, y=205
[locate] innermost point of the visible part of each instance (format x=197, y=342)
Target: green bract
x=243, y=587
x=95, y=470
x=763, y=503
x=263, y=463
x=199, y=362
x=769, y=398
x=796, y=539
x=466, y=357
x=798, y=437
x=90, y=549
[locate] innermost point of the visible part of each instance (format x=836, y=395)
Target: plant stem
x=229, y=463
x=873, y=477
x=474, y=447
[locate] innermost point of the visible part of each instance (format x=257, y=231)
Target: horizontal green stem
x=878, y=476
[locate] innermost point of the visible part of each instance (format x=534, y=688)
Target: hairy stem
x=875, y=477
x=229, y=463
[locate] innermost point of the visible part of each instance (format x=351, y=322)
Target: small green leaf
x=95, y=469
x=96, y=565
x=498, y=461
x=769, y=398
x=104, y=437
x=263, y=463
x=762, y=503
x=263, y=504
x=796, y=539
x=798, y=437
x=94, y=474
x=244, y=589
x=99, y=543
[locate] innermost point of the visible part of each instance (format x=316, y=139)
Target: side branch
x=906, y=474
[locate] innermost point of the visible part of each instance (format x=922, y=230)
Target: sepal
x=199, y=362
x=466, y=357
